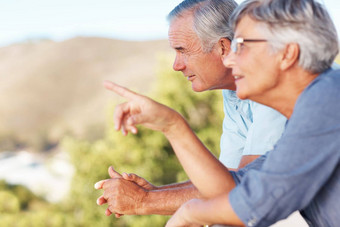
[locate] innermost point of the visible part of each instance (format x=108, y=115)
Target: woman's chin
x=241, y=94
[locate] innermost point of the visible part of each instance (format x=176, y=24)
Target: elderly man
x=200, y=35
x=276, y=62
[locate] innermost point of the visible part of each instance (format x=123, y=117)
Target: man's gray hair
x=305, y=22
x=211, y=19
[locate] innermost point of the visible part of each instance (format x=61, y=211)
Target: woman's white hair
x=305, y=22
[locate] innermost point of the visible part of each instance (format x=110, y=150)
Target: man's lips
x=191, y=77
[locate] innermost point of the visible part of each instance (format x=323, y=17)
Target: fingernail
x=97, y=185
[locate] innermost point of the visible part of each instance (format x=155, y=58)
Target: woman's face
x=254, y=66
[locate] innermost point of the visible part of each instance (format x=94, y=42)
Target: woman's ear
x=290, y=56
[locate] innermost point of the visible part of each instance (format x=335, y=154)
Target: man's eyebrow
x=179, y=48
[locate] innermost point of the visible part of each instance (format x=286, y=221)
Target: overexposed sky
x=58, y=20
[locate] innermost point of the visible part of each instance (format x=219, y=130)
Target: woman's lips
x=237, y=77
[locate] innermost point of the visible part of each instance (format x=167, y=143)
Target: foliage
x=148, y=154
x=9, y=203
x=19, y=207
x=204, y=110
x=24, y=196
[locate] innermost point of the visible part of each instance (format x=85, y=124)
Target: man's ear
x=290, y=56
x=224, y=47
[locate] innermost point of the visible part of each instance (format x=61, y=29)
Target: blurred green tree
x=19, y=207
x=148, y=153
x=9, y=203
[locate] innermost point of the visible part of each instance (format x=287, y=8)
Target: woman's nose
x=229, y=60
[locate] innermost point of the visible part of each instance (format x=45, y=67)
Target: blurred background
x=56, y=129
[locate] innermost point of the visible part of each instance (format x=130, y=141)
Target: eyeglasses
x=237, y=43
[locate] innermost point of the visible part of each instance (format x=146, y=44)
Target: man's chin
x=198, y=89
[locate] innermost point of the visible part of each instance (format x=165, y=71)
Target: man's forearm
x=176, y=185
x=165, y=201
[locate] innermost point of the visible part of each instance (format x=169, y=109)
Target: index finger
x=120, y=90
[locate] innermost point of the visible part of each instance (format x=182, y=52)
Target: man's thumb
x=113, y=173
x=136, y=119
x=133, y=177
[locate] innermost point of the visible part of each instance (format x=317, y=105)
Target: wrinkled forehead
x=181, y=31
x=183, y=23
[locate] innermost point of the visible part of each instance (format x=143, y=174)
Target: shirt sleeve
x=299, y=166
x=265, y=131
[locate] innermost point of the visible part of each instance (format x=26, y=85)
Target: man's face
x=204, y=70
x=255, y=68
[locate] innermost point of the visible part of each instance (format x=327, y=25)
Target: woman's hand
x=142, y=110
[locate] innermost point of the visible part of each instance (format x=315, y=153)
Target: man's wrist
x=143, y=204
x=155, y=202
x=166, y=201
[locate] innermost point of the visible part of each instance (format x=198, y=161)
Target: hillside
x=47, y=88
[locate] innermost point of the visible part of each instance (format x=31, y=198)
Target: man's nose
x=229, y=60
x=179, y=64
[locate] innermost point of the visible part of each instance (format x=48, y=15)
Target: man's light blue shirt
x=249, y=128
x=335, y=66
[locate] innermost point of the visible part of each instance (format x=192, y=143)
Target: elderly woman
x=282, y=53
